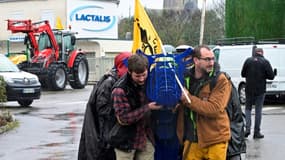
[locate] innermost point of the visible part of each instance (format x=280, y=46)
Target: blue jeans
x=256, y=100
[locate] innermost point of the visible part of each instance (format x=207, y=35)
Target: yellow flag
x=58, y=24
x=144, y=34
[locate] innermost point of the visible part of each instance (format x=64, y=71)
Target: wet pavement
x=273, y=145
x=50, y=129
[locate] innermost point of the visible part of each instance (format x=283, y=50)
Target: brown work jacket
x=213, y=124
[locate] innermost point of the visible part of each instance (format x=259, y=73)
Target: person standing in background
x=256, y=70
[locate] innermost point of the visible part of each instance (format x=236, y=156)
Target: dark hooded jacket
x=256, y=70
x=99, y=115
x=93, y=145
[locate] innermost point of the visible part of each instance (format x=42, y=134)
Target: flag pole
x=180, y=84
x=202, y=22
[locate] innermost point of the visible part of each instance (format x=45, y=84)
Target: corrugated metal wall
x=99, y=66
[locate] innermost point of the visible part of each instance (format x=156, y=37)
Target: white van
x=232, y=57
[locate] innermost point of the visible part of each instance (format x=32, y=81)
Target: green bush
x=7, y=122
x=3, y=97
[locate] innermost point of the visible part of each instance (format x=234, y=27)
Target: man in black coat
x=99, y=115
x=256, y=70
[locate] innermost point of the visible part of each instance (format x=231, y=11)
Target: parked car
x=21, y=86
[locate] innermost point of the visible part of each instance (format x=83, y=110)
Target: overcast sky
x=126, y=7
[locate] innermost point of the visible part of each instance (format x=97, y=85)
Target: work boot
x=246, y=133
x=258, y=135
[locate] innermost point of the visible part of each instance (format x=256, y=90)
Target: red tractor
x=53, y=55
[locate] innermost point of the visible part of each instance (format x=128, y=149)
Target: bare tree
x=219, y=8
x=178, y=27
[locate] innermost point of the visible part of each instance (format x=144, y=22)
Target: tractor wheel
x=25, y=103
x=79, y=72
x=57, y=77
x=44, y=84
x=241, y=92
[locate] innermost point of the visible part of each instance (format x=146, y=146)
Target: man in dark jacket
x=99, y=118
x=256, y=70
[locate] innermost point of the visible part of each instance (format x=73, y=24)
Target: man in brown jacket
x=203, y=123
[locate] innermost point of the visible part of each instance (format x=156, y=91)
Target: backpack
x=237, y=143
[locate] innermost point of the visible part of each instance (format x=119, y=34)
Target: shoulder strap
x=187, y=82
x=214, y=79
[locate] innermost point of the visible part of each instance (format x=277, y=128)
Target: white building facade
x=96, y=22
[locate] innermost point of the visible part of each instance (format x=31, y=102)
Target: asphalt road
x=50, y=129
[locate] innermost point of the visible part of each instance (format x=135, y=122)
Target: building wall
x=91, y=19
x=100, y=52
x=34, y=10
